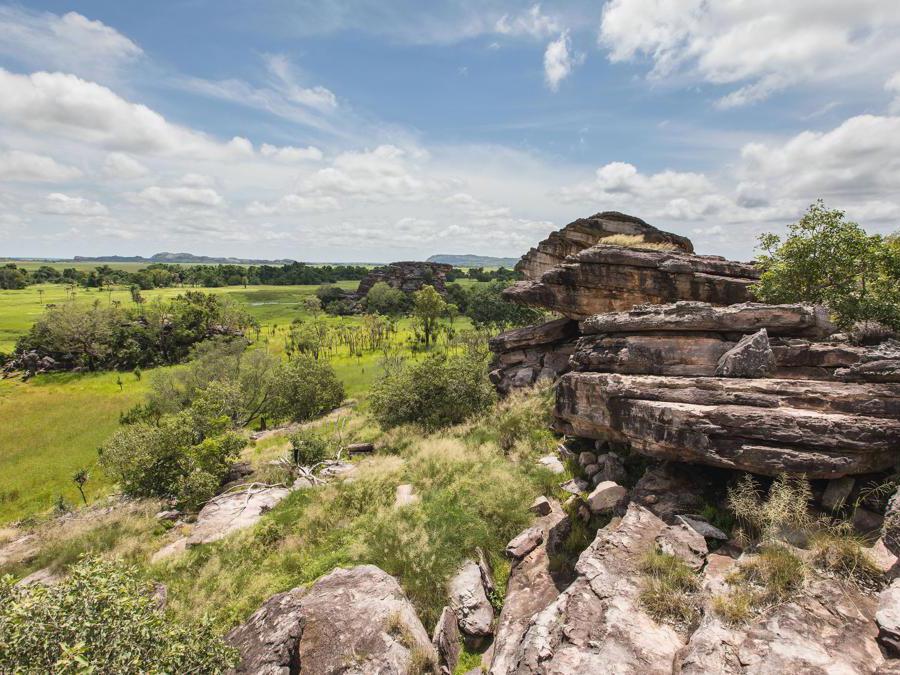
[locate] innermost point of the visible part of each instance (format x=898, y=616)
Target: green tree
x=826, y=259
x=487, y=308
x=384, y=299
x=101, y=618
x=428, y=309
x=306, y=388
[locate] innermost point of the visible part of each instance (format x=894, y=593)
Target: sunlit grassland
x=52, y=425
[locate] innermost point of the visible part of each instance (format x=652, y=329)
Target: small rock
x=685, y=543
x=564, y=453
x=487, y=574
x=866, y=521
x=525, y=542
x=44, y=576
x=586, y=458
x=171, y=514
x=446, y=640
x=540, y=506
x=469, y=602
x=160, y=595
x=591, y=470
x=552, y=463
x=611, y=468
x=888, y=618
x=881, y=556
x=703, y=528
x=360, y=448
x=751, y=357
x=575, y=486
x=837, y=492
x=890, y=531
x=405, y=495
x=606, y=497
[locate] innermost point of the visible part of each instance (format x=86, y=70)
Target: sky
x=379, y=130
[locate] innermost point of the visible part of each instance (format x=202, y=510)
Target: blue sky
x=359, y=130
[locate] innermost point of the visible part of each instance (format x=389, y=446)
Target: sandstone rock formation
x=407, y=276
x=353, y=621
x=584, y=233
x=610, y=278
x=469, y=601
x=525, y=355
x=233, y=511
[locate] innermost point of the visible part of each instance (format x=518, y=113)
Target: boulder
x=611, y=468
x=837, y=492
x=670, y=489
x=703, y=528
x=552, y=463
x=586, y=458
x=766, y=426
x=597, y=624
x=532, y=336
x=446, y=640
x=615, y=278
x=540, y=506
x=606, y=497
x=469, y=602
x=585, y=232
x=750, y=357
x=353, y=621
x=684, y=543
x=575, y=486
x=233, y=511
x=890, y=530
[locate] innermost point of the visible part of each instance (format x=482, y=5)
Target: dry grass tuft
x=636, y=241
x=669, y=589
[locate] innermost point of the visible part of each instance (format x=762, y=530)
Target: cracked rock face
x=751, y=357
x=470, y=602
x=353, y=621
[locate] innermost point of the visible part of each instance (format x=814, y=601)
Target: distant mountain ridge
x=470, y=260
x=181, y=258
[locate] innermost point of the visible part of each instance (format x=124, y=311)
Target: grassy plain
x=52, y=425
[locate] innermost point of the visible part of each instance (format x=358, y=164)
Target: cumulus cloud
x=893, y=86
x=290, y=154
x=184, y=196
x=59, y=204
x=120, y=166
x=27, y=166
x=761, y=47
x=558, y=61
x=293, y=204
x=73, y=108
x=70, y=42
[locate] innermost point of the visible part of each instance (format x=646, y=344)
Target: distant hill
x=183, y=258
x=469, y=260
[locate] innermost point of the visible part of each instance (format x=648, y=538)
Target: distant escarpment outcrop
x=665, y=351
x=407, y=276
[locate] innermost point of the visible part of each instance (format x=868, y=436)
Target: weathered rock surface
x=613, y=278
x=532, y=587
x=584, y=233
x=606, y=497
x=750, y=357
x=525, y=542
x=890, y=531
x=597, y=625
x=446, y=640
x=233, y=511
x=524, y=355
x=355, y=621
x=469, y=601
x=670, y=489
x=822, y=429
x=407, y=276
x=793, y=320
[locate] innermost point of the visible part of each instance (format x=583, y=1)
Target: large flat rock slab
x=233, y=511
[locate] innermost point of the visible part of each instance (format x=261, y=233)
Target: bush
x=101, y=618
x=828, y=260
x=384, y=299
x=309, y=447
x=306, y=388
x=185, y=456
x=436, y=392
x=784, y=507
x=487, y=308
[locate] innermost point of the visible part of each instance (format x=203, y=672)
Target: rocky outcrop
x=469, y=601
x=233, y=511
x=408, y=276
x=525, y=355
x=584, y=233
x=353, y=621
x=612, y=278
x=822, y=429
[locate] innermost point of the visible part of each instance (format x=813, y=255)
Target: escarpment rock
x=584, y=233
x=822, y=429
x=611, y=278
x=354, y=621
x=525, y=355
x=407, y=276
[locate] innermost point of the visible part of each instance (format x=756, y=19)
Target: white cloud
x=70, y=42
x=290, y=154
x=532, y=22
x=761, y=46
x=893, y=86
x=318, y=97
x=293, y=204
x=558, y=61
x=203, y=197
x=120, y=166
x=84, y=111
x=27, y=166
x=60, y=204
x=197, y=180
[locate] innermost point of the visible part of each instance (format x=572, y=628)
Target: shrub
x=306, y=388
x=384, y=299
x=436, y=392
x=309, y=447
x=101, y=618
x=829, y=260
x=785, y=505
x=524, y=418
x=669, y=587
x=487, y=308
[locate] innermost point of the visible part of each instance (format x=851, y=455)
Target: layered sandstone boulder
x=407, y=276
x=585, y=232
x=606, y=278
x=525, y=355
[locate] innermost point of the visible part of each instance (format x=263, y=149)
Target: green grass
x=49, y=428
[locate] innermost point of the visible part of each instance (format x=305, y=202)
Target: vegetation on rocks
x=669, y=588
